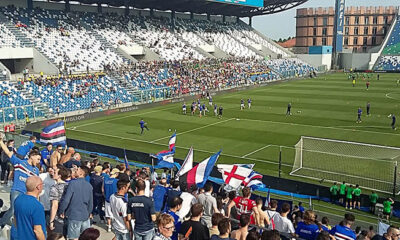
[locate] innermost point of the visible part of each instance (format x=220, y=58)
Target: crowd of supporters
x=54, y=194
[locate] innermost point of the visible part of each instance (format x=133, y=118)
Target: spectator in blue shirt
x=109, y=188
x=159, y=193
x=29, y=212
x=176, y=205
x=343, y=230
x=25, y=147
x=46, y=153
x=77, y=204
x=307, y=229
x=22, y=170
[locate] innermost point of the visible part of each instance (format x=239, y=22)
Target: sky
x=283, y=25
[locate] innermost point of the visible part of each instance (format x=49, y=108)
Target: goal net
x=371, y=166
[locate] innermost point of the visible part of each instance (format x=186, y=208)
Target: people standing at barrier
x=373, y=198
x=24, y=169
x=387, y=208
x=334, y=190
x=357, y=197
x=25, y=147
x=5, y=162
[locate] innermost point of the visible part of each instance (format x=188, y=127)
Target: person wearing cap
x=96, y=180
x=109, y=188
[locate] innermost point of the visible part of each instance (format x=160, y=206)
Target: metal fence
x=19, y=114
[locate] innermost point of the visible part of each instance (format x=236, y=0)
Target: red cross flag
x=233, y=175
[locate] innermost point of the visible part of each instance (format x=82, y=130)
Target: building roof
x=289, y=43
x=201, y=6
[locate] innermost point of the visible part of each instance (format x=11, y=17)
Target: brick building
x=364, y=27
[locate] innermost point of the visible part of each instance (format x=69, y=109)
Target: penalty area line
x=194, y=129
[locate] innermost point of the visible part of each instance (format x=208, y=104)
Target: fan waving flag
x=126, y=160
x=200, y=173
x=234, y=175
x=166, y=157
x=54, y=134
x=254, y=181
x=187, y=164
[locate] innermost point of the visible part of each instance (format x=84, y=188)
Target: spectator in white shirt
x=118, y=205
x=189, y=199
x=282, y=223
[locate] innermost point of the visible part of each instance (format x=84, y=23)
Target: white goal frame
x=298, y=164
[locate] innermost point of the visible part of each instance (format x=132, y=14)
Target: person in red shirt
x=245, y=205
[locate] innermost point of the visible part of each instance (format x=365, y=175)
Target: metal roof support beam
x=99, y=8
x=223, y=18
x=191, y=16
x=173, y=21
x=208, y=17
x=250, y=21
x=126, y=4
x=67, y=6
x=29, y=3
x=151, y=12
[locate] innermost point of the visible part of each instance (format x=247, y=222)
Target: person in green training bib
x=349, y=197
x=334, y=192
x=373, y=198
x=342, y=192
x=357, y=198
x=387, y=207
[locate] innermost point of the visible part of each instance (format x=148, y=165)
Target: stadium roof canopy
x=201, y=6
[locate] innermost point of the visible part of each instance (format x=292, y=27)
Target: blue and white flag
x=54, y=134
x=166, y=157
x=254, y=181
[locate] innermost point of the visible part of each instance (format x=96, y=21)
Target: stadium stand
x=78, y=92
x=59, y=37
x=78, y=42
x=390, y=58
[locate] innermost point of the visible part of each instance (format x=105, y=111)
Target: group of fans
x=54, y=195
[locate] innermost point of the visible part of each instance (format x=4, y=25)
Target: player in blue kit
x=184, y=108
x=359, y=112
x=210, y=101
x=215, y=110
x=393, y=121
x=143, y=126
x=200, y=110
x=204, y=108
x=249, y=103
x=241, y=104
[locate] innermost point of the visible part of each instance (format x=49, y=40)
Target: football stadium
x=188, y=119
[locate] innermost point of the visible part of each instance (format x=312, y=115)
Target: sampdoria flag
x=254, y=181
x=187, y=164
x=267, y=199
x=234, y=175
x=54, y=134
x=166, y=157
x=200, y=173
x=126, y=160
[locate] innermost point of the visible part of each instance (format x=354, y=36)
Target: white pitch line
x=186, y=148
x=256, y=151
x=132, y=115
x=314, y=126
x=387, y=95
x=194, y=129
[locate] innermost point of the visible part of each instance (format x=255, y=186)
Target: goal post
x=371, y=166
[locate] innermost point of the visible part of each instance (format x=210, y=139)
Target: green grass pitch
x=324, y=107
